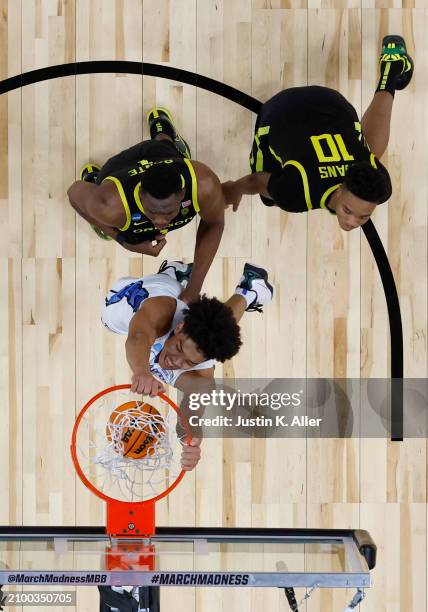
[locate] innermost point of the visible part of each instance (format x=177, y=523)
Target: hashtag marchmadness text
x=201, y=579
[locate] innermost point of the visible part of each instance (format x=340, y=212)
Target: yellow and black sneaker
x=396, y=65
x=89, y=172
x=160, y=121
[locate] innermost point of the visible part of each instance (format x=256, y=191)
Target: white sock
x=248, y=295
x=260, y=292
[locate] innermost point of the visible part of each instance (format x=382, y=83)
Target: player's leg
x=263, y=159
x=252, y=293
x=396, y=70
x=270, y=119
x=376, y=122
x=238, y=305
x=162, y=127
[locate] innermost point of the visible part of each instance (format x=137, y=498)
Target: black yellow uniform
x=125, y=171
x=307, y=137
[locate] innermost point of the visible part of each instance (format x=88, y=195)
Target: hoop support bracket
x=129, y=519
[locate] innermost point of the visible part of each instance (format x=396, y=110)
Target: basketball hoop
x=127, y=452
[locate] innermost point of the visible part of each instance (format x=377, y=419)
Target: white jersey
x=125, y=298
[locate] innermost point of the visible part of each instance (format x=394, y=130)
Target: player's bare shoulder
x=210, y=194
x=101, y=202
x=155, y=314
x=207, y=179
x=108, y=199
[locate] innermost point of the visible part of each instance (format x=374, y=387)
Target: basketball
x=134, y=429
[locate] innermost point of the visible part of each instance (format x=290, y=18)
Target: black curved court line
x=252, y=104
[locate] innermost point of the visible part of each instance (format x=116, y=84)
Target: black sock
x=389, y=71
x=91, y=177
x=161, y=126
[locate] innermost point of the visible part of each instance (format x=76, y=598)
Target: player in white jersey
x=125, y=299
x=175, y=343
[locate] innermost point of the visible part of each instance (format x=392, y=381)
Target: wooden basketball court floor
x=328, y=319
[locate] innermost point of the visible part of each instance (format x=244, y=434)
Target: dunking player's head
x=209, y=331
x=161, y=194
x=363, y=188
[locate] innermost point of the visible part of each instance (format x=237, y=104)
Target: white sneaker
x=254, y=287
x=177, y=270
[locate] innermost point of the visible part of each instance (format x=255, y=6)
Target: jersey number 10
x=335, y=145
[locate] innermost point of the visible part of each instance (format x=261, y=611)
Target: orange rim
x=79, y=470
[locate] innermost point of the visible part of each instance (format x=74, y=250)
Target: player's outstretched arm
x=210, y=230
x=195, y=382
x=152, y=320
x=251, y=184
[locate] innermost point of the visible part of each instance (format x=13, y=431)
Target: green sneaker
x=160, y=121
x=394, y=50
x=89, y=172
x=100, y=233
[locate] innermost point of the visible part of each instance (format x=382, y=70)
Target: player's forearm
x=252, y=184
x=207, y=242
x=192, y=387
x=138, y=353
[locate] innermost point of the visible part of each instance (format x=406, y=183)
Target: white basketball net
x=100, y=446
